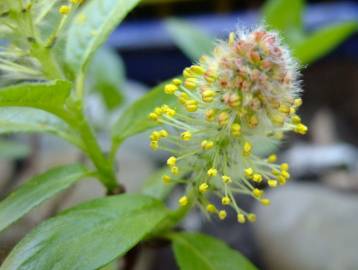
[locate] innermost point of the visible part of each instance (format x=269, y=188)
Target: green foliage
x=286, y=17
x=323, y=41
x=91, y=28
x=29, y=120
x=37, y=190
x=50, y=96
x=197, y=251
x=13, y=150
x=88, y=236
x=191, y=40
x=106, y=75
x=135, y=119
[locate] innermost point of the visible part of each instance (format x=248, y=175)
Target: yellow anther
x=301, y=129
x=284, y=167
x=171, y=161
x=282, y=180
x=212, y=172
x=249, y=172
x=177, y=82
x=197, y=70
x=208, y=96
x=190, y=83
x=257, y=192
x=236, y=129
x=296, y=119
x=272, y=158
x=285, y=174
x=211, y=208
x=251, y=217
x=174, y=170
x=292, y=111
x=155, y=136
x=226, y=179
x=297, y=102
x=183, y=201
x=232, y=37
x=64, y=10
x=257, y=177
x=153, y=116
x=247, y=149
x=210, y=76
x=265, y=201
x=272, y=183
x=253, y=121
x=158, y=110
x=222, y=214
x=154, y=145
x=183, y=97
x=163, y=133
x=241, y=218
x=191, y=105
x=210, y=114
x=166, y=179
x=186, y=136
x=284, y=109
x=170, y=112
x=207, y=144
x=187, y=73
x=170, y=89
x=278, y=120
x=223, y=118
x=225, y=200
x=203, y=187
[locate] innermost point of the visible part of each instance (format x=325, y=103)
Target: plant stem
x=104, y=166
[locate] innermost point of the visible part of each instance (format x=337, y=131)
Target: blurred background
x=312, y=221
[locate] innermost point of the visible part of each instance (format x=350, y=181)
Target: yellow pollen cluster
x=246, y=89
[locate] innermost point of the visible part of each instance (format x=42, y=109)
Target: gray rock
x=308, y=227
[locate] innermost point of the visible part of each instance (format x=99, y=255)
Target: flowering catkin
x=248, y=87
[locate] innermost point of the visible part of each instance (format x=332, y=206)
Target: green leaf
x=135, y=119
x=13, y=150
x=197, y=251
x=49, y=96
x=284, y=15
x=190, y=39
x=106, y=74
x=37, y=190
x=91, y=28
x=29, y=120
x=155, y=187
x=323, y=41
x=88, y=236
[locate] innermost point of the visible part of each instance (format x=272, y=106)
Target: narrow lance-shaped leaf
x=37, y=190
x=190, y=39
x=91, y=28
x=323, y=41
x=135, y=119
x=29, y=120
x=88, y=236
x=48, y=96
x=283, y=15
x=197, y=251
